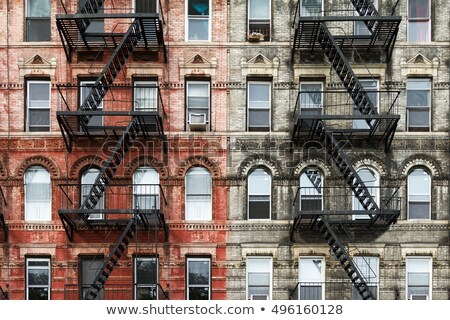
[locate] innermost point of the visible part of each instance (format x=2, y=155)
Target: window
x=371, y=88
x=146, y=189
x=418, y=278
x=419, y=20
x=146, y=278
x=372, y=182
x=259, y=19
x=360, y=27
x=259, y=97
x=418, y=102
x=146, y=6
x=94, y=26
x=198, y=279
x=38, y=278
x=311, y=277
x=311, y=8
x=145, y=96
x=38, y=204
x=198, y=194
x=259, y=190
x=198, y=20
x=419, y=194
x=311, y=189
x=89, y=267
x=38, y=106
x=368, y=267
x=87, y=180
x=197, y=104
x=85, y=90
x=38, y=20
x=259, y=278
x=311, y=98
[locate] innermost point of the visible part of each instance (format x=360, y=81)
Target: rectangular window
x=146, y=6
x=311, y=278
x=360, y=27
x=419, y=20
x=38, y=106
x=198, y=279
x=368, y=267
x=418, y=104
x=259, y=20
x=259, y=278
x=38, y=194
x=38, y=278
x=85, y=89
x=371, y=88
x=145, y=96
x=198, y=20
x=38, y=20
x=311, y=8
x=311, y=98
x=146, y=278
x=258, y=103
x=89, y=267
x=197, y=105
x=418, y=278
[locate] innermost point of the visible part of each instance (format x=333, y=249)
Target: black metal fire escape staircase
x=90, y=7
x=3, y=225
x=318, y=130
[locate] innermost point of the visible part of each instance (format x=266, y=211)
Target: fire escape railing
x=3, y=225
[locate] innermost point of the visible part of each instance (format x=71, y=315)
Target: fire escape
x=344, y=121
x=100, y=205
x=3, y=225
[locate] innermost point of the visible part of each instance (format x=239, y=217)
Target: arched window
x=371, y=179
x=259, y=194
x=38, y=205
x=198, y=194
x=419, y=194
x=87, y=180
x=146, y=189
x=311, y=192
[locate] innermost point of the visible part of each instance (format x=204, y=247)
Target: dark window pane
x=146, y=272
x=198, y=293
x=419, y=118
x=38, y=29
x=311, y=292
x=198, y=272
x=39, y=117
x=38, y=277
x=418, y=9
x=147, y=293
x=37, y=293
x=259, y=209
x=198, y=7
x=419, y=210
x=258, y=118
x=146, y=6
x=38, y=8
x=311, y=203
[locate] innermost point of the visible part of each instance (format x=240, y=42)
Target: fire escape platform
x=3, y=225
x=382, y=36
x=74, y=39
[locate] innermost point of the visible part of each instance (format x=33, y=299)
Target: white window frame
x=188, y=19
x=304, y=277
x=356, y=205
x=360, y=28
x=29, y=107
x=419, y=108
x=49, y=268
x=409, y=267
x=151, y=286
x=252, y=269
x=269, y=18
x=31, y=207
x=362, y=124
x=147, y=188
x=302, y=106
x=190, y=215
x=189, y=83
x=157, y=6
x=426, y=195
x=28, y=18
x=84, y=85
x=412, y=20
x=188, y=285
x=269, y=195
x=369, y=268
x=87, y=186
x=311, y=15
x=268, y=84
x=145, y=85
x=310, y=188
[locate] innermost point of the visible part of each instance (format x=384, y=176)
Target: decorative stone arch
x=371, y=161
x=202, y=161
x=38, y=160
x=420, y=161
x=259, y=161
x=318, y=163
x=149, y=161
x=84, y=162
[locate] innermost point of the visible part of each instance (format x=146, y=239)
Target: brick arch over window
x=45, y=162
x=209, y=164
x=258, y=161
x=146, y=161
x=83, y=162
x=373, y=162
x=318, y=163
x=420, y=161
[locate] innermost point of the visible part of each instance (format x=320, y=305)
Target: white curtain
x=198, y=194
x=145, y=97
x=37, y=194
x=146, y=189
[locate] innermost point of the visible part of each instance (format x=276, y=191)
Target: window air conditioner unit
x=259, y=297
x=197, y=121
x=419, y=297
